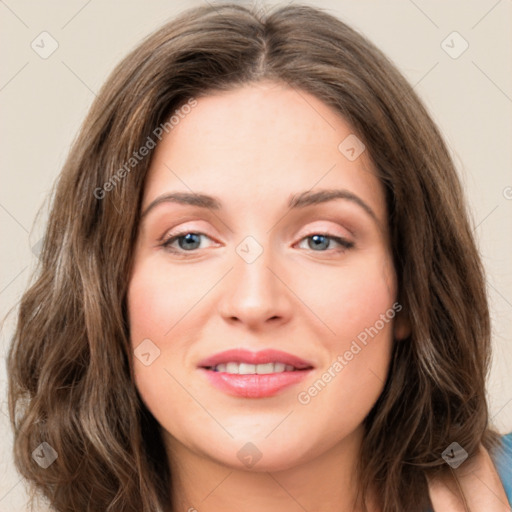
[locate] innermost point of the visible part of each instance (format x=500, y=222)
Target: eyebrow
x=296, y=201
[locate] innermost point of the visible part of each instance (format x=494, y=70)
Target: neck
x=327, y=483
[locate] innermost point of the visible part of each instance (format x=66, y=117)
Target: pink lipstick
x=247, y=374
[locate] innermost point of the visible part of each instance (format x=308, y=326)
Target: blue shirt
x=503, y=463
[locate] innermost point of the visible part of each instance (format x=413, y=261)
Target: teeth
x=231, y=368
x=280, y=367
x=247, y=369
x=250, y=369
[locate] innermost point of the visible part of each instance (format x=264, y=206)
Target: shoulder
x=503, y=462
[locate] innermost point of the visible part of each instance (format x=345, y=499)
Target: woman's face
x=314, y=280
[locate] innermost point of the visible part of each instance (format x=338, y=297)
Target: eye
x=187, y=241
x=322, y=241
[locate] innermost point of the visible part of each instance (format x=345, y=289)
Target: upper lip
x=241, y=355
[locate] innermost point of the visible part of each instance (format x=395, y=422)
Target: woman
x=323, y=343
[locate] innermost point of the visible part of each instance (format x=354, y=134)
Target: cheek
x=359, y=308
x=157, y=300
x=350, y=299
x=153, y=309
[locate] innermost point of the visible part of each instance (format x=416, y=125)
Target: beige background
x=43, y=102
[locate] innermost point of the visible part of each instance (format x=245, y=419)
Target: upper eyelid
x=178, y=234
x=312, y=230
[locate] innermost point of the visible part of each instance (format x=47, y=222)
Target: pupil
x=190, y=238
x=318, y=242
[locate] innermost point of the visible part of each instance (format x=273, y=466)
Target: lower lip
x=254, y=386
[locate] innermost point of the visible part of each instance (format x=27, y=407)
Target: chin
x=267, y=463
x=259, y=455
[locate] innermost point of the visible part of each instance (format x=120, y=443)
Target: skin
x=479, y=482
x=253, y=146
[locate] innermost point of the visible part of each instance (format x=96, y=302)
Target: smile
x=247, y=374
x=250, y=369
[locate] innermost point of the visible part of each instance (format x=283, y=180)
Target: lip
x=263, y=356
x=254, y=385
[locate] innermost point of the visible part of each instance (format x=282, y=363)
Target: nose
x=256, y=293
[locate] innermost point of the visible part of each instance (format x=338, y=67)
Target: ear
x=402, y=326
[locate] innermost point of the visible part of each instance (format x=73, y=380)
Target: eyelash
x=345, y=244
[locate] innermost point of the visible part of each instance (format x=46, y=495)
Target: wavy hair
x=70, y=363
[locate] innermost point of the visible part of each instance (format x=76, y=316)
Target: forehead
x=261, y=142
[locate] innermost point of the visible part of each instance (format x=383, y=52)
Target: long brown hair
x=70, y=373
